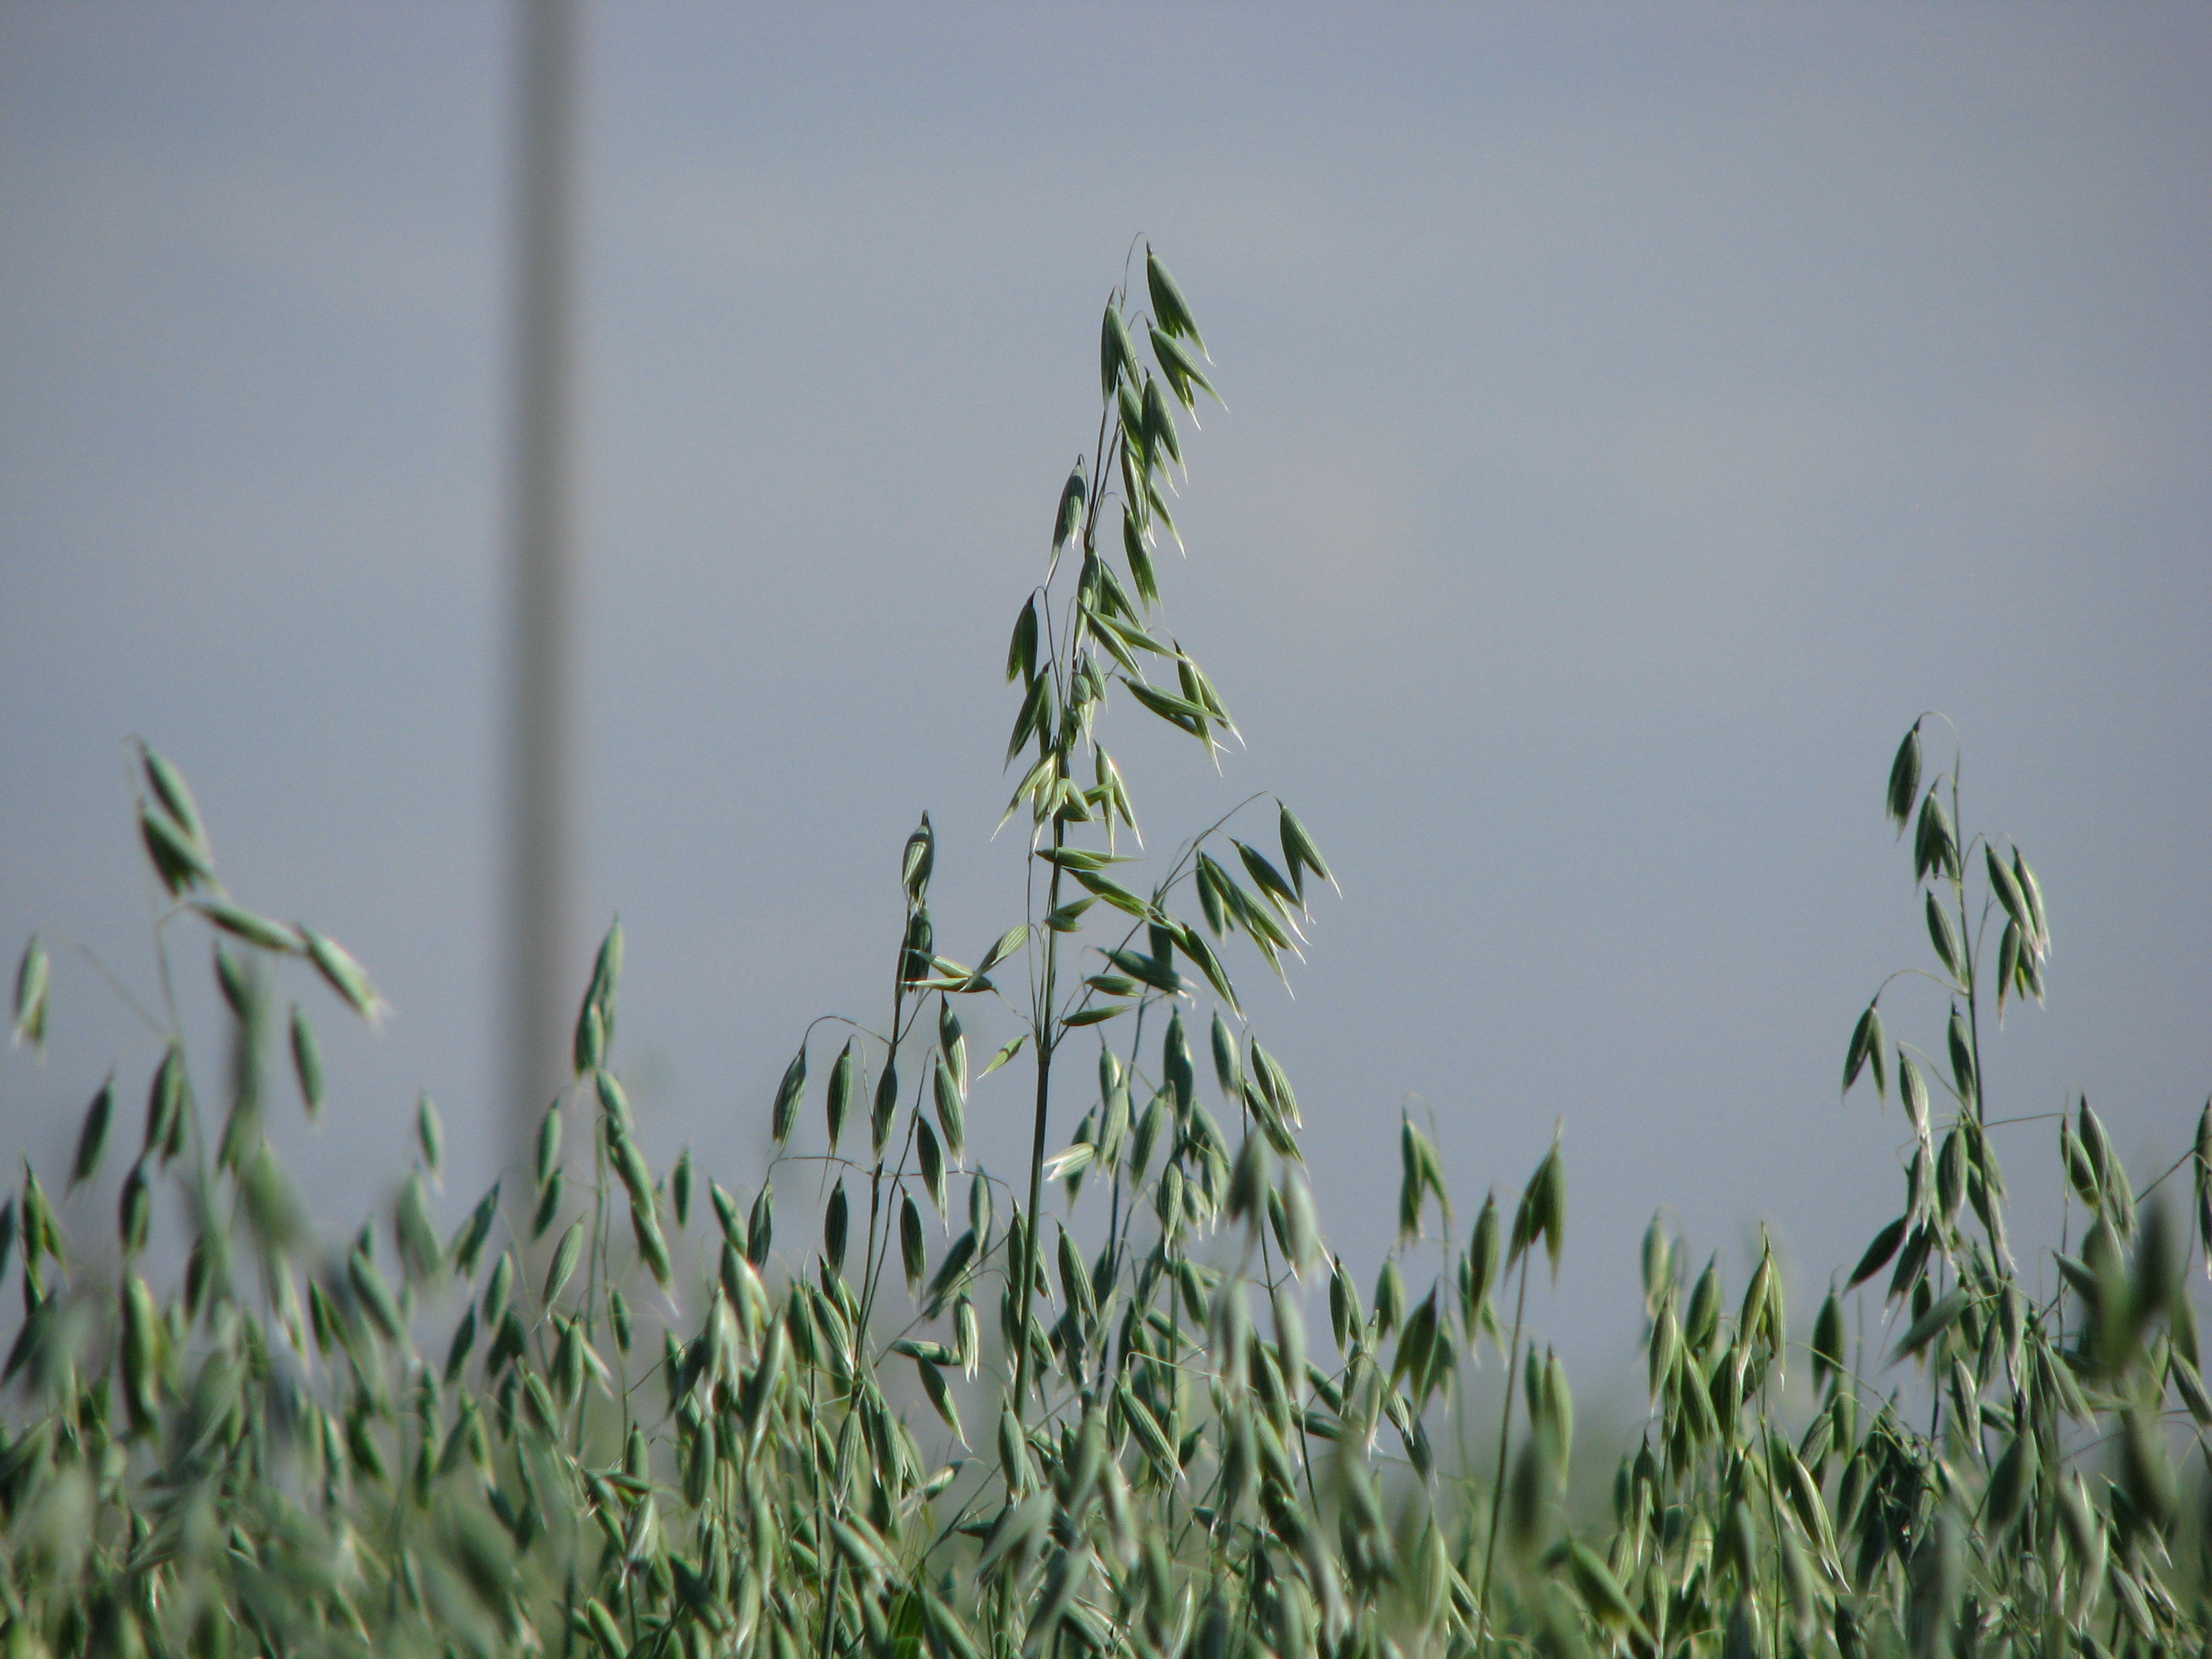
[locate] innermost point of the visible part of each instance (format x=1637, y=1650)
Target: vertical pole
x=541, y=841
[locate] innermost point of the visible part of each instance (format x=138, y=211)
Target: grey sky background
x=1637, y=415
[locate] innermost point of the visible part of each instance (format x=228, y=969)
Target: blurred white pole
x=544, y=961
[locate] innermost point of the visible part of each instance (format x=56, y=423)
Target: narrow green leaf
x=1009, y=942
x=652, y=1247
x=1061, y=1165
x=1601, y=1591
x=1194, y=945
x=1147, y=971
x=375, y=1296
x=679, y=1189
x=174, y=794
x=418, y=1240
x=1944, y=936
x=1115, y=894
x=1110, y=634
x=1170, y=311
x=1021, y=650
x=1034, y=715
x=346, y=976
x=913, y=1251
x=1868, y=1045
x=1300, y=854
x=1275, y=1083
x=307, y=1061
x=1180, y=370
x=1939, y=1318
x=430, y=1134
x=92, y=1138
x=1181, y=713
x=1879, y=1252
x=844, y=1088
x=1934, y=842
x=2031, y=891
x=1551, y=1211
x=789, y=1091
x=32, y=975
x=930, y=1155
x=165, y=1105
x=2007, y=965
x=836, y=1226
x=1117, y=359
x=180, y=860
x=247, y=925
x=940, y=1397
x=1067, y=519
x=951, y=1114
x=2006, y=889
x=1904, y=779
x=885, y=1111
x=1962, y=1056
x=1004, y=1055
x=566, y=1256
x=1913, y=1088
x=1074, y=859
x=468, y=1242
x=463, y=1342
x=1140, y=558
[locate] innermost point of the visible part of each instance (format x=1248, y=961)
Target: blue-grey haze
x=1637, y=415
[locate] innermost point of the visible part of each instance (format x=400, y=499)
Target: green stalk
x=829, y=1593
x=1504, y=1429
x=1773, y=1503
x=870, y=1264
x=876, y=1176
x=1971, y=945
x=1046, y=1039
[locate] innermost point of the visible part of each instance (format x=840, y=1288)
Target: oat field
x=1131, y=1404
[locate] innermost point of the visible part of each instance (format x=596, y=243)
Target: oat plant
x=619, y=1410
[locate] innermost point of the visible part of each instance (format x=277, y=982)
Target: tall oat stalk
x=592, y=1420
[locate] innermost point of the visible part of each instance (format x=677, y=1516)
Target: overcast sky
x=1637, y=415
